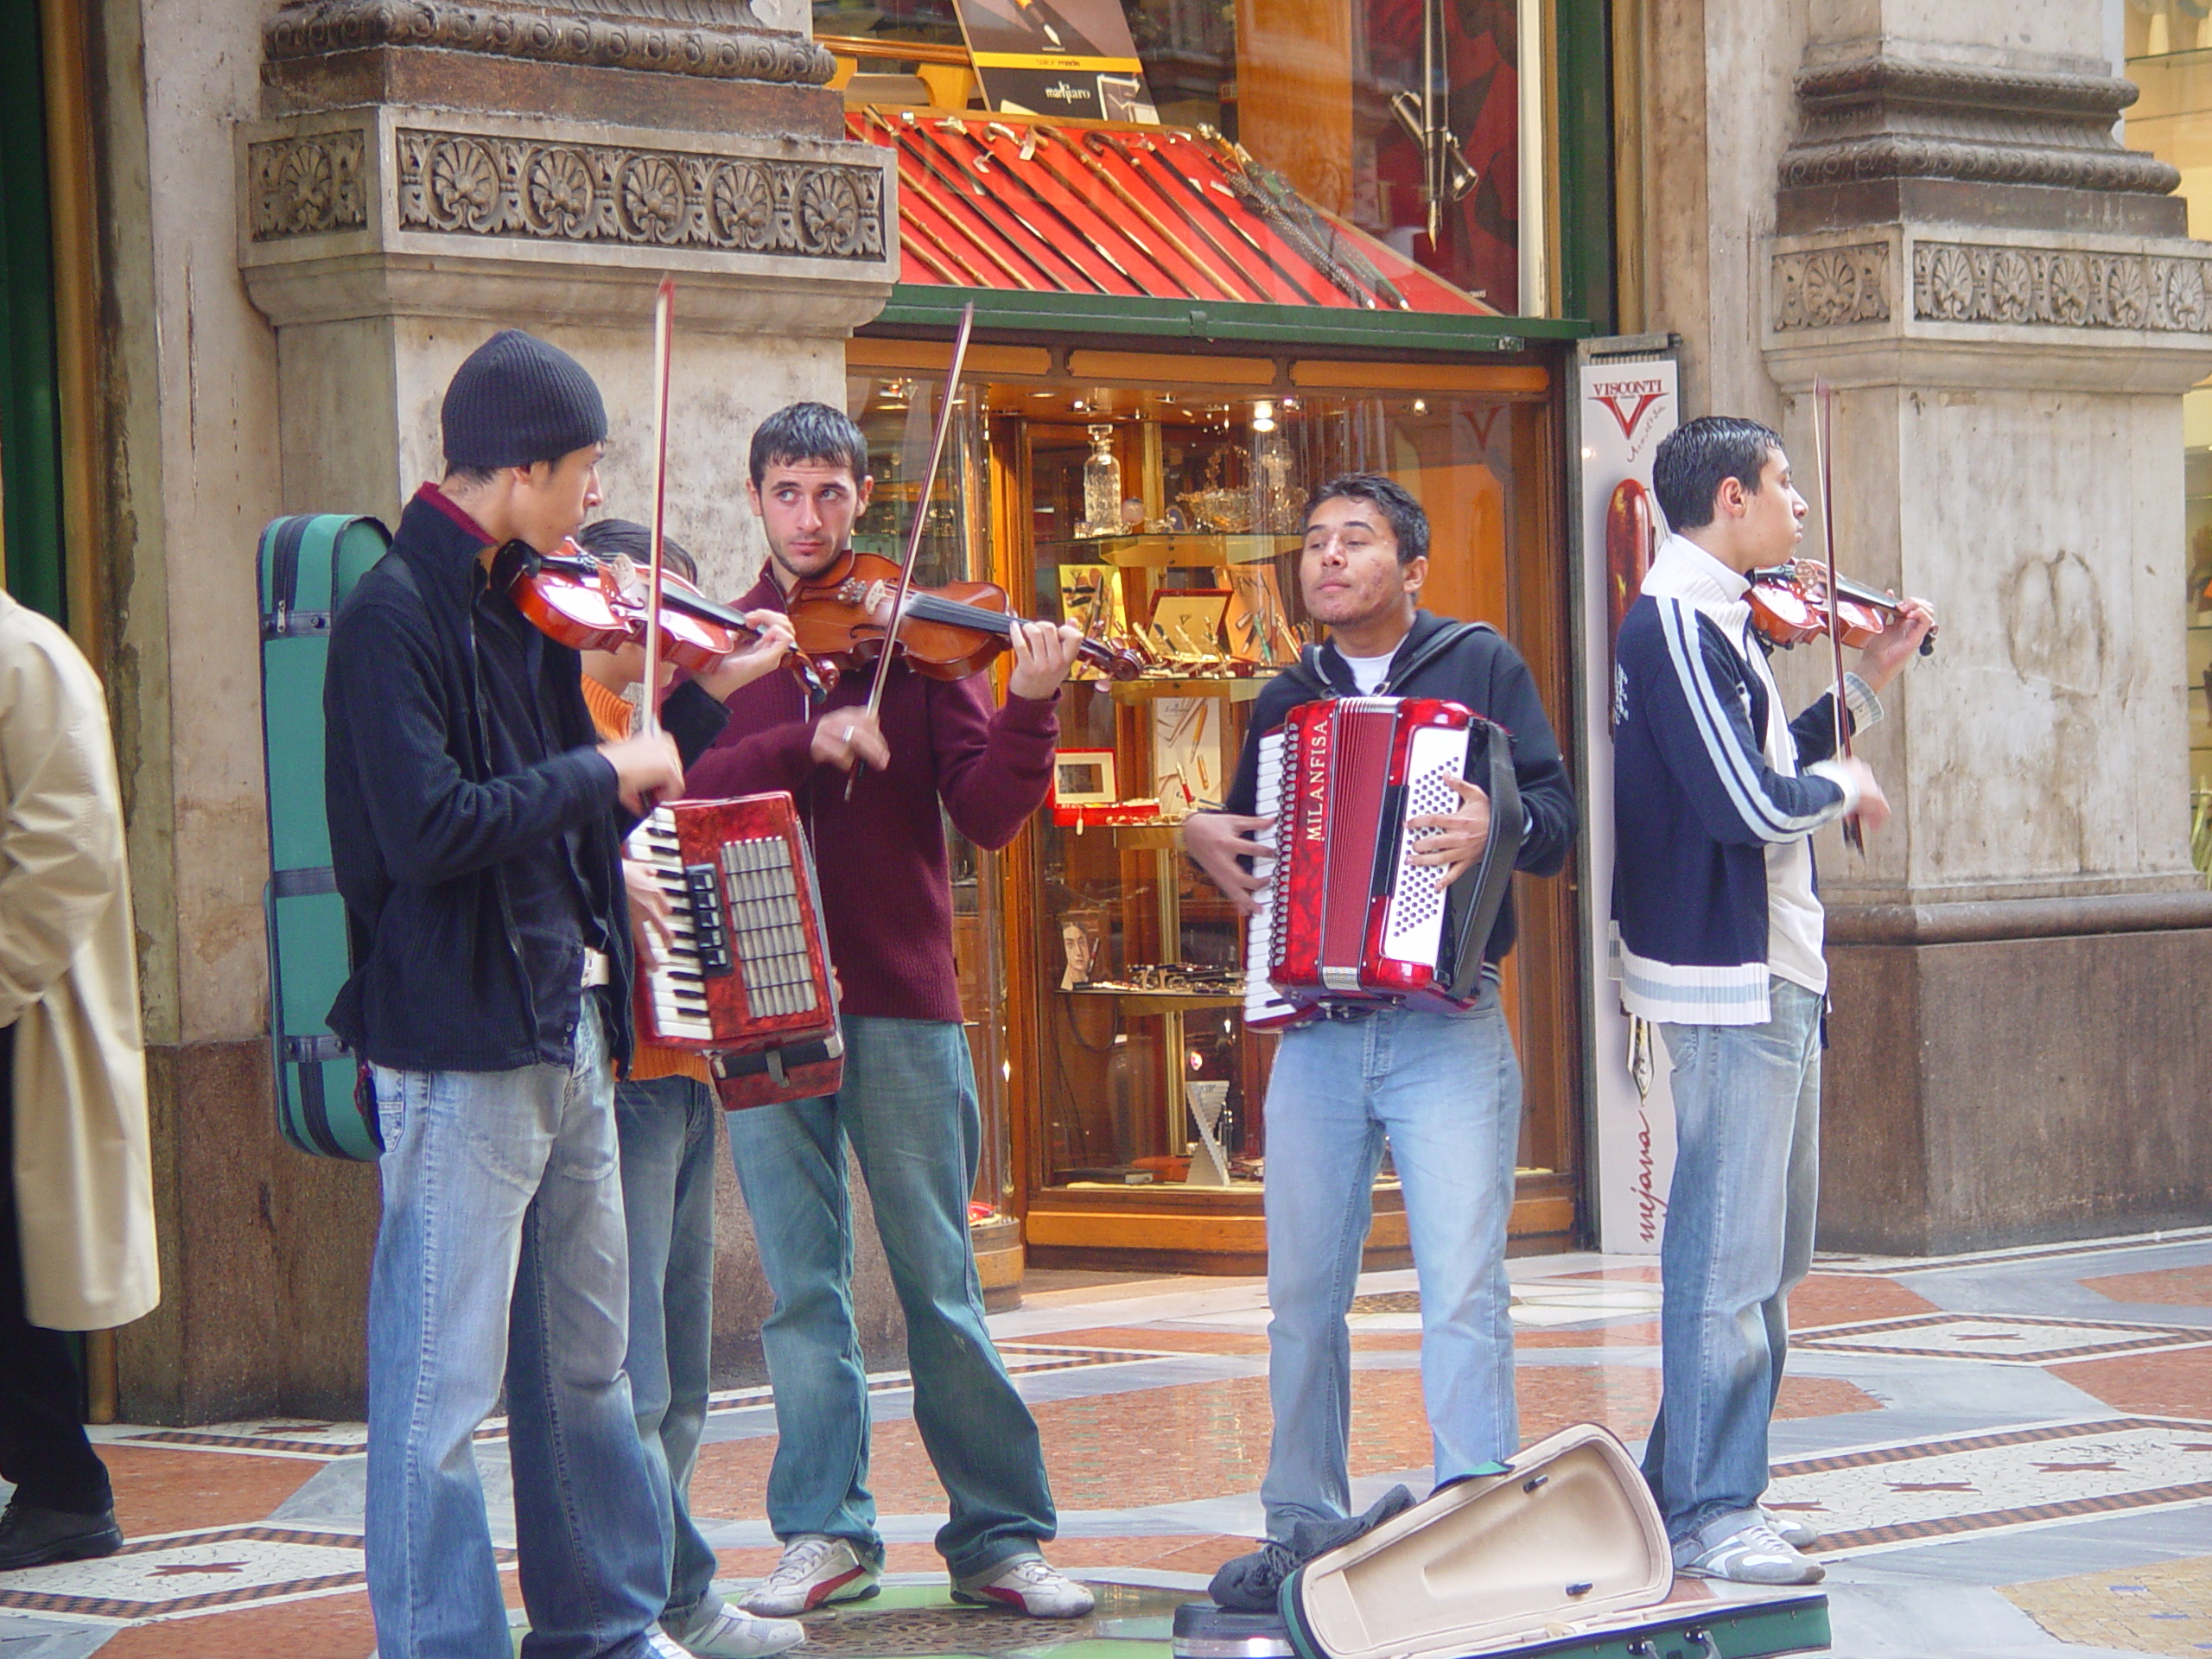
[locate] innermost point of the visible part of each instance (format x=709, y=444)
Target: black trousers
x=43, y=1451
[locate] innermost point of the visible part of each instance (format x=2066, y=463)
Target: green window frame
x=30, y=423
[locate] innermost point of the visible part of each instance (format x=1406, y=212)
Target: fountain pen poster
x=1074, y=59
x=1626, y=407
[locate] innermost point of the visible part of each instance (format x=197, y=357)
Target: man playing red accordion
x=1441, y=1088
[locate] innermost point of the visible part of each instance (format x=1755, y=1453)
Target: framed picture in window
x=1083, y=777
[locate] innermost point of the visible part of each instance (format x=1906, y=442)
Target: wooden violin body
x=947, y=633
x=589, y=604
x=1790, y=605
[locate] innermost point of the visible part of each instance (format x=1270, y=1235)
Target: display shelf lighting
x=1263, y=415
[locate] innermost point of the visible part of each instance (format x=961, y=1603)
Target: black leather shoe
x=33, y=1537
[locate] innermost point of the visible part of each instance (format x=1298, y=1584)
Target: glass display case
x=1107, y=972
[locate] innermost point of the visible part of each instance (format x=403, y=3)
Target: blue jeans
x=666, y=1126
x=501, y=1250
x=1739, y=1238
x=908, y=1107
x=1445, y=1092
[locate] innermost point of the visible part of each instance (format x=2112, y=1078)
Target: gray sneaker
x=815, y=1571
x=1798, y=1534
x=1752, y=1553
x=717, y=1631
x=1028, y=1584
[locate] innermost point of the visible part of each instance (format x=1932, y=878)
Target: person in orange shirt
x=665, y=1115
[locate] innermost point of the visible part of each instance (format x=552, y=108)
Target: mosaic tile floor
x=2010, y=1455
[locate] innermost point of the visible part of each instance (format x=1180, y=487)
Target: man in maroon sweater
x=908, y=1103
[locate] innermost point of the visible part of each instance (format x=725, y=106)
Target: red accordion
x=748, y=983
x=1347, y=918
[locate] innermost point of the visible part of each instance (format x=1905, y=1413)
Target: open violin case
x=1563, y=1554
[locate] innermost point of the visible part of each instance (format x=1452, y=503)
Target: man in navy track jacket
x=1718, y=937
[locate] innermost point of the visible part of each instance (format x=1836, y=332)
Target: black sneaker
x=33, y=1537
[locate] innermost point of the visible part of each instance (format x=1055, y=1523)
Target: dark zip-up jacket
x=475, y=830
x=1480, y=670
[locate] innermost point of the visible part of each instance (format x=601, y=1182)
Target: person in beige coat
x=77, y=1217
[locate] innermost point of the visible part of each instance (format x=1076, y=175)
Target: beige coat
x=69, y=982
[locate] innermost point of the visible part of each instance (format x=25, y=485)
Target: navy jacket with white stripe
x=1696, y=802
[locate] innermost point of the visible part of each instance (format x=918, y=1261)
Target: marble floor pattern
x=2009, y=1454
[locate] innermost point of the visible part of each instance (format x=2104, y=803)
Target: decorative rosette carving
x=308, y=185
x=2062, y=288
x=480, y=185
x=1828, y=288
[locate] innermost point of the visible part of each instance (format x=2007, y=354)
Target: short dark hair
x=605, y=537
x=1407, y=522
x=1698, y=454
x=473, y=475
x=804, y=432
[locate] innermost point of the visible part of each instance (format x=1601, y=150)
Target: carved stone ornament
x=2065, y=287
x=1828, y=288
x=1885, y=117
x=683, y=37
x=308, y=185
x=475, y=184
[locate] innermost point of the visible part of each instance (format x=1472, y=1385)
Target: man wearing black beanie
x=475, y=825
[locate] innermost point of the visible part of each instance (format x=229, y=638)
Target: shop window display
x=1399, y=116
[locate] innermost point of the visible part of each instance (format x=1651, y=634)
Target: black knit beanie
x=518, y=401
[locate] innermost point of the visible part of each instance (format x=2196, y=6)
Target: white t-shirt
x=1367, y=672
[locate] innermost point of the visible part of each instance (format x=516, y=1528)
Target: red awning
x=1012, y=202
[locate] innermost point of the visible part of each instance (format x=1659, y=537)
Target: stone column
x=416, y=176
x=2005, y=301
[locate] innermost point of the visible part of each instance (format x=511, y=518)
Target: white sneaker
x=721, y=1632
x=1751, y=1554
x=1028, y=1584
x=815, y=1571
x=1798, y=1534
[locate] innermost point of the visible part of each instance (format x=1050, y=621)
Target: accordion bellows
x=1348, y=916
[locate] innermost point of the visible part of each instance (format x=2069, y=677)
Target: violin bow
x=1823, y=429
x=663, y=333
x=914, y=529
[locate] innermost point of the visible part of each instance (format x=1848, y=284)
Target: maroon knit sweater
x=886, y=894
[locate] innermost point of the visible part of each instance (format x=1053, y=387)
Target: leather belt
x=597, y=970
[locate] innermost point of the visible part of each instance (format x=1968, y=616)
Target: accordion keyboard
x=677, y=985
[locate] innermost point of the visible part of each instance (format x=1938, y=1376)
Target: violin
x=946, y=633
x=1789, y=605
x=590, y=604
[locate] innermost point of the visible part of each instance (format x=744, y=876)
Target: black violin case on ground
x=1564, y=1554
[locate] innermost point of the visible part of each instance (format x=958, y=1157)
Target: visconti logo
x=1629, y=401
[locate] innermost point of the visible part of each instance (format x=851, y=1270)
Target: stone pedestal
x=416, y=177
x=2005, y=302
